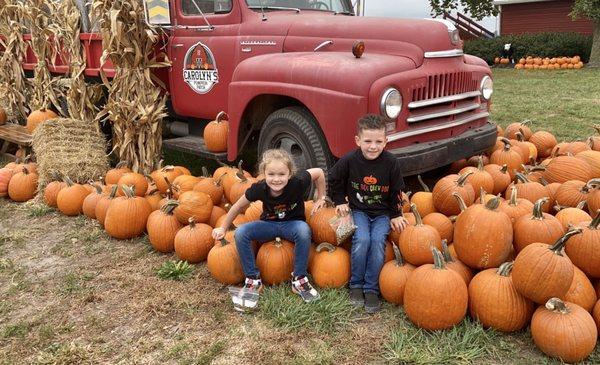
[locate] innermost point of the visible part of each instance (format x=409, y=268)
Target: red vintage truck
x=291, y=74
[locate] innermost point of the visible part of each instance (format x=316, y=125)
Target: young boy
x=371, y=179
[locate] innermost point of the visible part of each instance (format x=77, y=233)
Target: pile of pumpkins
x=509, y=236
x=554, y=63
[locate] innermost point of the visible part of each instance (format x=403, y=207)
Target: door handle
x=178, y=45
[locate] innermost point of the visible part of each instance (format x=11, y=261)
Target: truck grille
x=444, y=98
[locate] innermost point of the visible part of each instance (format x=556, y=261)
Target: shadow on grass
x=286, y=310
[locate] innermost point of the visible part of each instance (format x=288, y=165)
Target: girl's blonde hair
x=276, y=155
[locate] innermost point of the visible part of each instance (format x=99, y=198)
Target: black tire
x=296, y=130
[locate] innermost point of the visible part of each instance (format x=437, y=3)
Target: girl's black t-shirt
x=286, y=207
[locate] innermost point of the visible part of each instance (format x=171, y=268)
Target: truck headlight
x=486, y=87
x=391, y=103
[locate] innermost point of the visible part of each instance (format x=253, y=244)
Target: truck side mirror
x=157, y=12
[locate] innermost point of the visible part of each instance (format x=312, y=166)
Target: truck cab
x=300, y=73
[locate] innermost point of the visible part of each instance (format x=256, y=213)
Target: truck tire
x=296, y=130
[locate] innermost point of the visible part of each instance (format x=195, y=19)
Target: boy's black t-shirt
x=372, y=186
x=286, y=207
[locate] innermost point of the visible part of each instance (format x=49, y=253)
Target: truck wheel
x=295, y=130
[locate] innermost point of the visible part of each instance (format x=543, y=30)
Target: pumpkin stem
x=559, y=245
x=98, y=188
x=504, y=169
x=438, y=260
x=493, y=203
x=537, y=214
x=596, y=221
x=278, y=242
x=581, y=204
x=505, y=269
x=520, y=136
x=128, y=190
x=223, y=242
x=557, y=305
x=526, y=121
x=67, y=180
x=415, y=212
x=462, y=179
x=159, y=164
x=507, y=144
x=544, y=181
x=221, y=116
x=121, y=164
x=590, y=142
x=397, y=255
x=593, y=183
x=423, y=185
x=113, y=191
x=513, y=195
x=205, y=172
x=460, y=200
x=446, y=252
x=192, y=222
x=326, y=246
x=480, y=163
x=169, y=206
x=522, y=178
x=25, y=170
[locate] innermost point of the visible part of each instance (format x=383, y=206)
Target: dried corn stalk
x=81, y=97
x=44, y=43
x=12, y=78
x=135, y=106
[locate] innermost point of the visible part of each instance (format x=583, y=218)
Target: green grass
x=175, y=270
x=287, y=310
x=566, y=103
x=37, y=209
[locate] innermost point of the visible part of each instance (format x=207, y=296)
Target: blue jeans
x=295, y=231
x=368, y=250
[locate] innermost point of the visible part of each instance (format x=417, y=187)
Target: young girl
x=282, y=194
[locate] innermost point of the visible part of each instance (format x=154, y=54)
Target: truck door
x=202, y=50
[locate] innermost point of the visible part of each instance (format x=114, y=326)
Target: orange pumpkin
x=415, y=242
x=330, y=266
x=443, y=200
x=5, y=175
x=113, y=175
x=126, y=216
x=216, y=133
x=275, y=261
x=194, y=204
x=91, y=200
x=193, y=242
x=223, y=261
x=37, y=117
x=22, y=185
x=162, y=226
x=393, y=277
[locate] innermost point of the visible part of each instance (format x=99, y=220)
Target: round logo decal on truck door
x=200, y=69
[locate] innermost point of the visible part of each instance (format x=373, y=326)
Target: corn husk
x=13, y=85
x=69, y=147
x=135, y=105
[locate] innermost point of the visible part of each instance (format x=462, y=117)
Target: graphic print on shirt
x=369, y=192
x=280, y=210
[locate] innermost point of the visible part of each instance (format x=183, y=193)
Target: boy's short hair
x=370, y=121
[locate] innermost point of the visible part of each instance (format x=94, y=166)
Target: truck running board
x=193, y=145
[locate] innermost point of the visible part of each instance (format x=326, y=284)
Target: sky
x=411, y=9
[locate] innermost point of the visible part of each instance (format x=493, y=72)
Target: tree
x=480, y=8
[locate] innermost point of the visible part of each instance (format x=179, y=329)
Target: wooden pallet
x=12, y=133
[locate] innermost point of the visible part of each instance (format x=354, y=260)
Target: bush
x=532, y=44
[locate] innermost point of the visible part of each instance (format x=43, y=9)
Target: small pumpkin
x=393, y=277
x=536, y=227
x=91, y=200
x=22, y=185
x=566, y=321
x=500, y=176
x=103, y=204
x=113, y=175
x=415, y=242
x=70, y=199
x=330, y=266
x=216, y=133
x=515, y=207
x=193, y=242
x=423, y=199
x=37, y=117
x=135, y=180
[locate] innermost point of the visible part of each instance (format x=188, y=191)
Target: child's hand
x=317, y=205
x=218, y=233
x=342, y=209
x=398, y=223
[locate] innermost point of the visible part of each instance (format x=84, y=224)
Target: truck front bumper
x=422, y=157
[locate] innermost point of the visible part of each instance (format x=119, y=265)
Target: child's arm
x=318, y=176
x=338, y=177
x=397, y=222
x=219, y=232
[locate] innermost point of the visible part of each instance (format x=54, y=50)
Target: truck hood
x=400, y=37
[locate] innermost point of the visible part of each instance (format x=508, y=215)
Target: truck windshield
x=337, y=6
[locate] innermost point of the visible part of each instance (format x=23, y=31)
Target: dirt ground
x=71, y=295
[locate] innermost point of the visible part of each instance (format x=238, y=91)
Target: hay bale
x=71, y=147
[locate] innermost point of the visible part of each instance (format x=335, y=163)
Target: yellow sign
x=158, y=12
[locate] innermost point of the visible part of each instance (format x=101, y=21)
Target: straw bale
x=69, y=147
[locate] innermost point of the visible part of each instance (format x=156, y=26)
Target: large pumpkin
x=572, y=192
x=544, y=142
x=127, y=215
x=564, y=330
x=435, y=298
x=443, y=200
x=393, y=277
x=216, y=132
x=494, y=301
x=193, y=242
x=483, y=235
x=223, y=261
x=275, y=261
x=593, y=159
x=564, y=168
x=581, y=291
x=162, y=226
x=542, y=272
x=330, y=266
x=537, y=227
